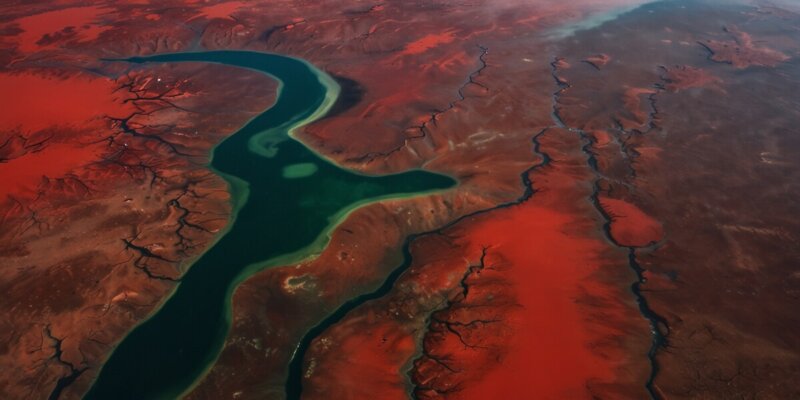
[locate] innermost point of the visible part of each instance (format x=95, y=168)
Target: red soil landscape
x=45, y=30
x=507, y=316
x=56, y=143
x=742, y=52
x=623, y=225
x=630, y=227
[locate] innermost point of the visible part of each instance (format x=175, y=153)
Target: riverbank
x=275, y=219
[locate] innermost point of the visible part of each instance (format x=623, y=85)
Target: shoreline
x=239, y=190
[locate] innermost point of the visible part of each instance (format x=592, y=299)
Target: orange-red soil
x=598, y=61
x=692, y=161
x=503, y=304
x=55, y=142
x=107, y=169
x=691, y=190
x=630, y=226
x=685, y=77
x=742, y=51
x=49, y=29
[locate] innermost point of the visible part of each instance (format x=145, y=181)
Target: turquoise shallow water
x=278, y=217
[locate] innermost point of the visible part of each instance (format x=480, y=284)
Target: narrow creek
x=286, y=200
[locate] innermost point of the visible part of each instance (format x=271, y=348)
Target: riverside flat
x=286, y=199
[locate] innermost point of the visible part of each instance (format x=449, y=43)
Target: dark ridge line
x=130, y=168
x=270, y=32
x=712, y=53
x=595, y=66
x=265, y=35
x=471, y=269
x=658, y=338
x=294, y=381
x=31, y=219
x=363, y=11
x=422, y=128
x=124, y=126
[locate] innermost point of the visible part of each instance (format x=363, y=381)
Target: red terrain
x=624, y=225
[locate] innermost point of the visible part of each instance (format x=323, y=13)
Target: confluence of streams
x=286, y=200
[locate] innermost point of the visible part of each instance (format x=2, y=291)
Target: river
x=286, y=199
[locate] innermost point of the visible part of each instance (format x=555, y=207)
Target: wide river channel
x=286, y=199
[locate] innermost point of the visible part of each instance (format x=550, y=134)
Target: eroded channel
x=286, y=200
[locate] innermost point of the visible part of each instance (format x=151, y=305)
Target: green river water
x=286, y=200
